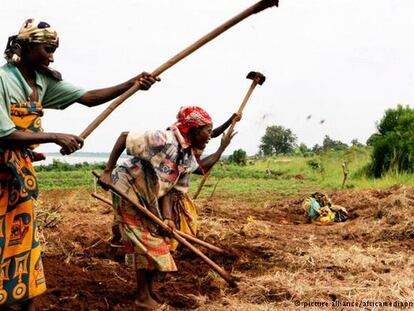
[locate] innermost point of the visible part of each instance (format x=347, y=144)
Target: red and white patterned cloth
x=189, y=117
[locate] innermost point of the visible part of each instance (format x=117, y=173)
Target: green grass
x=65, y=179
x=282, y=176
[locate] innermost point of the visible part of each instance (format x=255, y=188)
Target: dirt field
x=281, y=262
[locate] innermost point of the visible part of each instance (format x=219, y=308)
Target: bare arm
x=116, y=152
x=166, y=206
x=99, y=96
x=208, y=162
x=166, y=210
x=20, y=139
x=220, y=129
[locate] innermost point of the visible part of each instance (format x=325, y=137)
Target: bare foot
x=149, y=304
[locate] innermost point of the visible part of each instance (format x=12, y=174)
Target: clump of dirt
x=388, y=211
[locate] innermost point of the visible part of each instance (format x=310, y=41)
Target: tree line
x=392, y=144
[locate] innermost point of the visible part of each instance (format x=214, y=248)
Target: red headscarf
x=189, y=117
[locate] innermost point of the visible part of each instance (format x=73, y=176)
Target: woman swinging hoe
x=27, y=86
x=158, y=172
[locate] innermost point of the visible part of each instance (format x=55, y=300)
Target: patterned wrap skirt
x=150, y=249
x=184, y=214
x=21, y=269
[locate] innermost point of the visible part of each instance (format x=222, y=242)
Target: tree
x=277, y=140
x=239, y=157
x=393, y=145
x=317, y=148
x=356, y=143
x=303, y=148
x=329, y=143
x=372, y=139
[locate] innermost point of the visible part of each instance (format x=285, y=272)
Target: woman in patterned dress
x=161, y=163
x=27, y=86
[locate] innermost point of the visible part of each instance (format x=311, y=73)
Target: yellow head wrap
x=32, y=31
x=36, y=31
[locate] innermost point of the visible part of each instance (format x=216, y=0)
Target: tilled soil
x=279, y=260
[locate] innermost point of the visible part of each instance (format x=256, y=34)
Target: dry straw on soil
x=278, y=258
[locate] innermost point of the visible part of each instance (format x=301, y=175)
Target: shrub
x=60, y=166
x=238, y=157
x=393, y=145
x=313, y=164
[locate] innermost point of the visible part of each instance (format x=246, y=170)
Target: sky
x=343, y=61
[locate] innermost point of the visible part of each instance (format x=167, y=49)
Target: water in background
x=78, y=157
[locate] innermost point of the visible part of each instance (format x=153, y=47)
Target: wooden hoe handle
x=224, y=274
x=256, y=8
x=184, y=235
x=258, y=78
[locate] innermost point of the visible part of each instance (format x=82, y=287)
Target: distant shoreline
x=78, y=157
x=84, y=154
